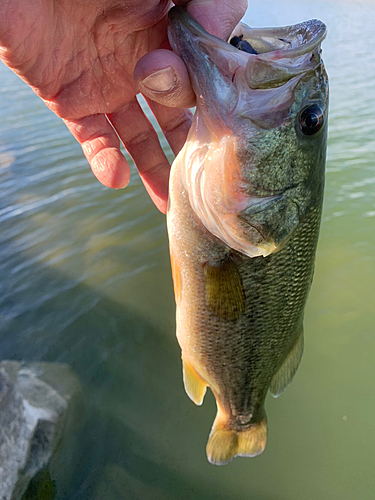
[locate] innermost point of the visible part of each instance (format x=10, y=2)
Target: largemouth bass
x=244, y=212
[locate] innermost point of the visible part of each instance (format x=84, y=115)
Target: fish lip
x=180, y=15
x=315, y=29
x=307, y=36
x=284, y=53
x=209, y=64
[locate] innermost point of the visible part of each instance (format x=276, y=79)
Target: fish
x=243, y=219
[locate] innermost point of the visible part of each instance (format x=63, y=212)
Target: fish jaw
x=247, y=99
x=209, y=67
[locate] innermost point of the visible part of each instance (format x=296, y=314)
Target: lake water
x=85, y=280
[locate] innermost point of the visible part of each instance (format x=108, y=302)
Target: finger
x=174, y=122
x=142, y=143
x=162, y=77
x=218, y=17
x=101, y=147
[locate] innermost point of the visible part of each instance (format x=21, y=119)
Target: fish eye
x=311, y=119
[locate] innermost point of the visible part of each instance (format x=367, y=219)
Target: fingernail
x=160, y=81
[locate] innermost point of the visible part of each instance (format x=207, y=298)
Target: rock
x=36, y=400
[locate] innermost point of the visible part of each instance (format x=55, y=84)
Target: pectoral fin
x=224, y=290
x=287, y=370
x=195, y=386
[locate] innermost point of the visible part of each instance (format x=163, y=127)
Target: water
x=85, y=280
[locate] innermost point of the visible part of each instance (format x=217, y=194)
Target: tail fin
x=225, y=443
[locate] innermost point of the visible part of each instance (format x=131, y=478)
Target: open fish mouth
x=269, y=44
x=219, y=70
x=298, y=39
x=280, y=53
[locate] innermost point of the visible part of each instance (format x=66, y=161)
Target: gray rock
x=36, y=400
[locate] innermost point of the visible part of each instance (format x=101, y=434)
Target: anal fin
x=195, y=386
x=287, y=370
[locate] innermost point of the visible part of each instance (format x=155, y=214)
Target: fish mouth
x=227, y=81
x=281, y=53
x=297, y=40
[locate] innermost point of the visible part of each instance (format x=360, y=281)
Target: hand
x=79, y=57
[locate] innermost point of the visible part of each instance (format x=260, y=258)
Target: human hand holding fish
x=79, y=57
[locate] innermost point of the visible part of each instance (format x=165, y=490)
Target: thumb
x=162, y=77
